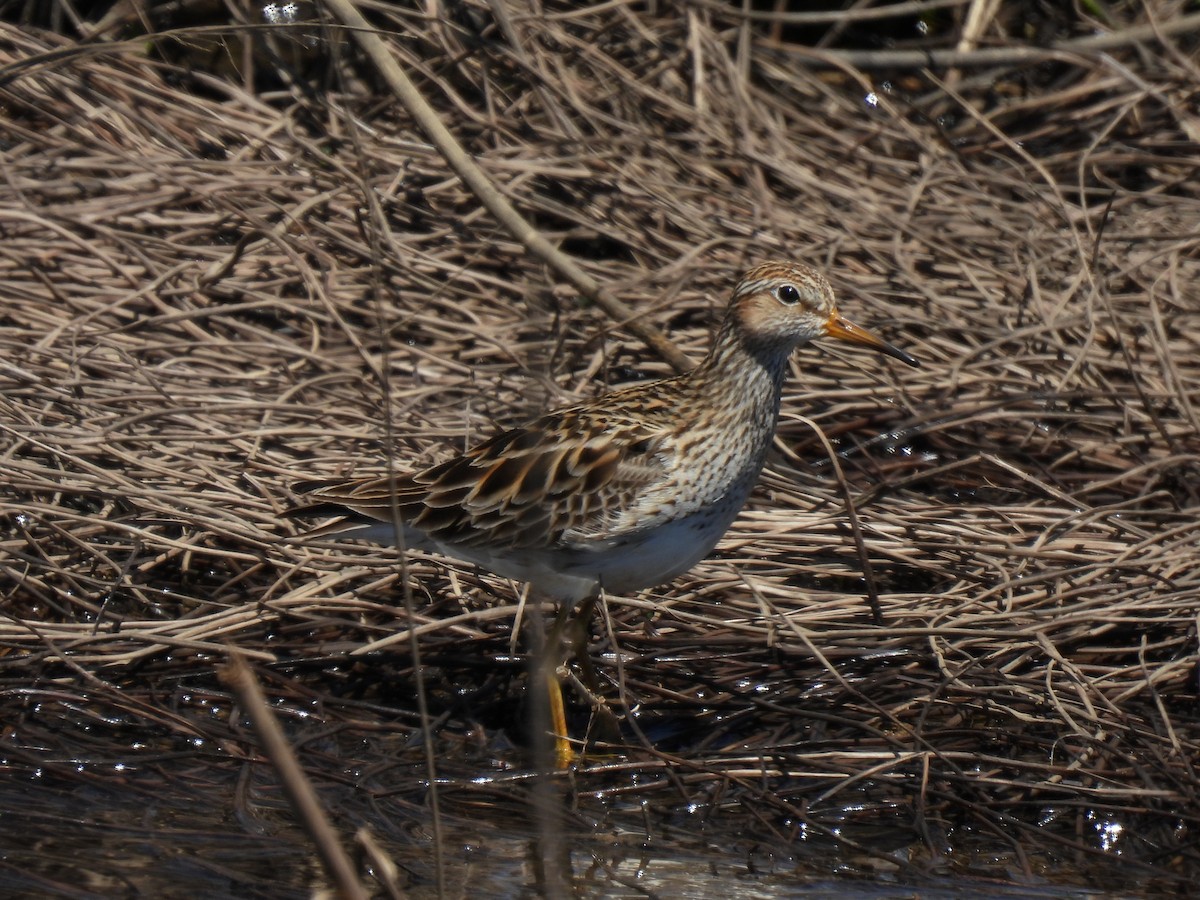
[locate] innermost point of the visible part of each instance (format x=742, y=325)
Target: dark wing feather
x=563, y=473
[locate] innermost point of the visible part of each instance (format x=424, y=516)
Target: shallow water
x=143, y=836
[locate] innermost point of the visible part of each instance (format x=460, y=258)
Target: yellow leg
x=564, y=755
x=549, y=721
x=567, y=641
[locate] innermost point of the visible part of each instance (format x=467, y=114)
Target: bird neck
x=742, y=377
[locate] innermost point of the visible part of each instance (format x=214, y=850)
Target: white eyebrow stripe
x=753, y=287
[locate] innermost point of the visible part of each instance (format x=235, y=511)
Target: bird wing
x=565, y=476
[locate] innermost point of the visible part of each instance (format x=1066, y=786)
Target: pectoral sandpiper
x=621, y=493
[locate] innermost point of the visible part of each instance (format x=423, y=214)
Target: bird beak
x=845, y=330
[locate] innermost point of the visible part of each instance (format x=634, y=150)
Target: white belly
x=621, y=565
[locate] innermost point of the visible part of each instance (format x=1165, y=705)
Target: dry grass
x=209, y=281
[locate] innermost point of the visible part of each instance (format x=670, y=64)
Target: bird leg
x=570, y=635
x=547, y=716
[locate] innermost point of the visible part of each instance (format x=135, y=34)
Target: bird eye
x=787, y=293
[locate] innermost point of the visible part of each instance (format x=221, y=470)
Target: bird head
x=787, y=304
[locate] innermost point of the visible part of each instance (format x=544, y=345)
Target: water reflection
x=144, y=836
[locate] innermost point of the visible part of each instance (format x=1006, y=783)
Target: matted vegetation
x=218, y=280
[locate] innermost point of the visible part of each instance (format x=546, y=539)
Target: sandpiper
x=623, y=492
